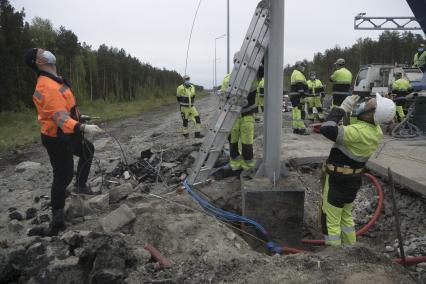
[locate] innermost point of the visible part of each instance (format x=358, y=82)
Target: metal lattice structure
x=361, y=22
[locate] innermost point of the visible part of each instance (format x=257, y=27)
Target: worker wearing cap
x=260, y=99
x=342, y=80
x=185, y=95
x=401, y=87
x=420, y=58
x=298, y=91
x=316, y=91
x=61, y=132
x=242, y=158
x=353, y=146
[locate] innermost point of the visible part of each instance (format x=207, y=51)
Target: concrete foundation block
x=117, y=219
x=279, y=209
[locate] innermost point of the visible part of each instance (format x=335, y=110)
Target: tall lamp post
x=227, y=41
x=215, y=59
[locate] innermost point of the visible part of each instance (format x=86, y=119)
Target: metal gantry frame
x=362, y=22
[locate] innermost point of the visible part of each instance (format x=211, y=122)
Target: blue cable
x=228, y=216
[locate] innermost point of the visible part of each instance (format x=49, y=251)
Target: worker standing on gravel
x=420, y=58
x=243, y=129
x=342, y=80
x=353, y=146
x=185, y=95
x=61, y=132
x=260, y=99
x=400, y=88
x=298, y=91
x=316, y=90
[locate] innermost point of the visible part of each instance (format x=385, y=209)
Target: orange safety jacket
x=56, y=107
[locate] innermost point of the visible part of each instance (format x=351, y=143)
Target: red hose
x=376, y=215
x=164, y=262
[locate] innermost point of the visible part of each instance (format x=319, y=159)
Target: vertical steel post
x=274, y=93
x=228, y=41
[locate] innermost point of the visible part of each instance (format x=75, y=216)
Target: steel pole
x=228, y=42
x=274, y=93
x=215, y=67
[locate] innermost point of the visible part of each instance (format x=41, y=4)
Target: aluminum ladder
x=234, y=99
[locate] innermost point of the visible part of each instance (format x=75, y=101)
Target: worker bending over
x=342, y=80
x=243, y=129
x=401, y=87
x=353, y=146
x=185, y=95
x=316, y=91
x=419, y=59
x=298, y=91
x=61, y=132
x=260, y=99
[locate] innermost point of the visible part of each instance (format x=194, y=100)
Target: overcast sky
x=157, y=31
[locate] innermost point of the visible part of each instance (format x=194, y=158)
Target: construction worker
x=420, y=58
x=298, y=91
x=242, y=158
x=342, y=80
x=61, y=132
x=316, y=91
x=185, y=95
x=353, y=146
x=260, y=97
x=400, y=88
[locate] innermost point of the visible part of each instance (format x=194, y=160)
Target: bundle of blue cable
x=231, y=217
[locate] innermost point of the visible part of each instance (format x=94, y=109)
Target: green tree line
x=107, y=73
x=391, y=47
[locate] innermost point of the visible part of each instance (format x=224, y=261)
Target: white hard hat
x=236, y=55
x=385, y=110
x=340, y=62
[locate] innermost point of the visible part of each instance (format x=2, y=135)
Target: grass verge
x=21, y=128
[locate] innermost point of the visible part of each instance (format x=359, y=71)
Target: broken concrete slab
x=99, y=202
x=15, y=226
x=117, y=219
x=118, y=193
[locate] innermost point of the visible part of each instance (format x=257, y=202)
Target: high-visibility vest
x=261, y=88
x=419, y=59
x=401, y=87
x=186, y=95
x=342, y=80
x=298, y=83
x=315, y=87
x=56, y=107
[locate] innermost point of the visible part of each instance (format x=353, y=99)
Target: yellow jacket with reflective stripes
x=419, y=60
x=261, y=88
x=341, y=76
x=186, y=95
x=315, y=87
x=401, y=85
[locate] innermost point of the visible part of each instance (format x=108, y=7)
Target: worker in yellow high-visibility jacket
x=420, y=58
x=298, y=91
x=316, y=91
x=400, y=88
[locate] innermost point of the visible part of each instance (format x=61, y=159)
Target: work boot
x=186, y=135
x=296, y=131
x=57, y=224
x=198, y=135
x=83, y=190
x=248, y=174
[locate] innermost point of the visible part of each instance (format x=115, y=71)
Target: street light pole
x=215, y=59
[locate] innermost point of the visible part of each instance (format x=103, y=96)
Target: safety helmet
x=385, y=110
x=186, y=77
x=236, y=55
x=300, y=64
x=422, y=45
x=340, y=62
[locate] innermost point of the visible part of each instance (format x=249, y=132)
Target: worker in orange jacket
x=62, y=133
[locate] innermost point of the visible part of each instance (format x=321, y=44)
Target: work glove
x=91, y=129
x=349, y=103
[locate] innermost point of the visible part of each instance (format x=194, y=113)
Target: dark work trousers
x=61, y=158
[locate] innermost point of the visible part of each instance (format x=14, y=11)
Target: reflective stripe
x=340, y=134
x=38, y=95
x=249, y=108
x=348, y=229
x=340, y=93
x=349, y=154
x=329, y=123
x=294, y=94
x=332, y=238
x=63, y=89
x=60, y=117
